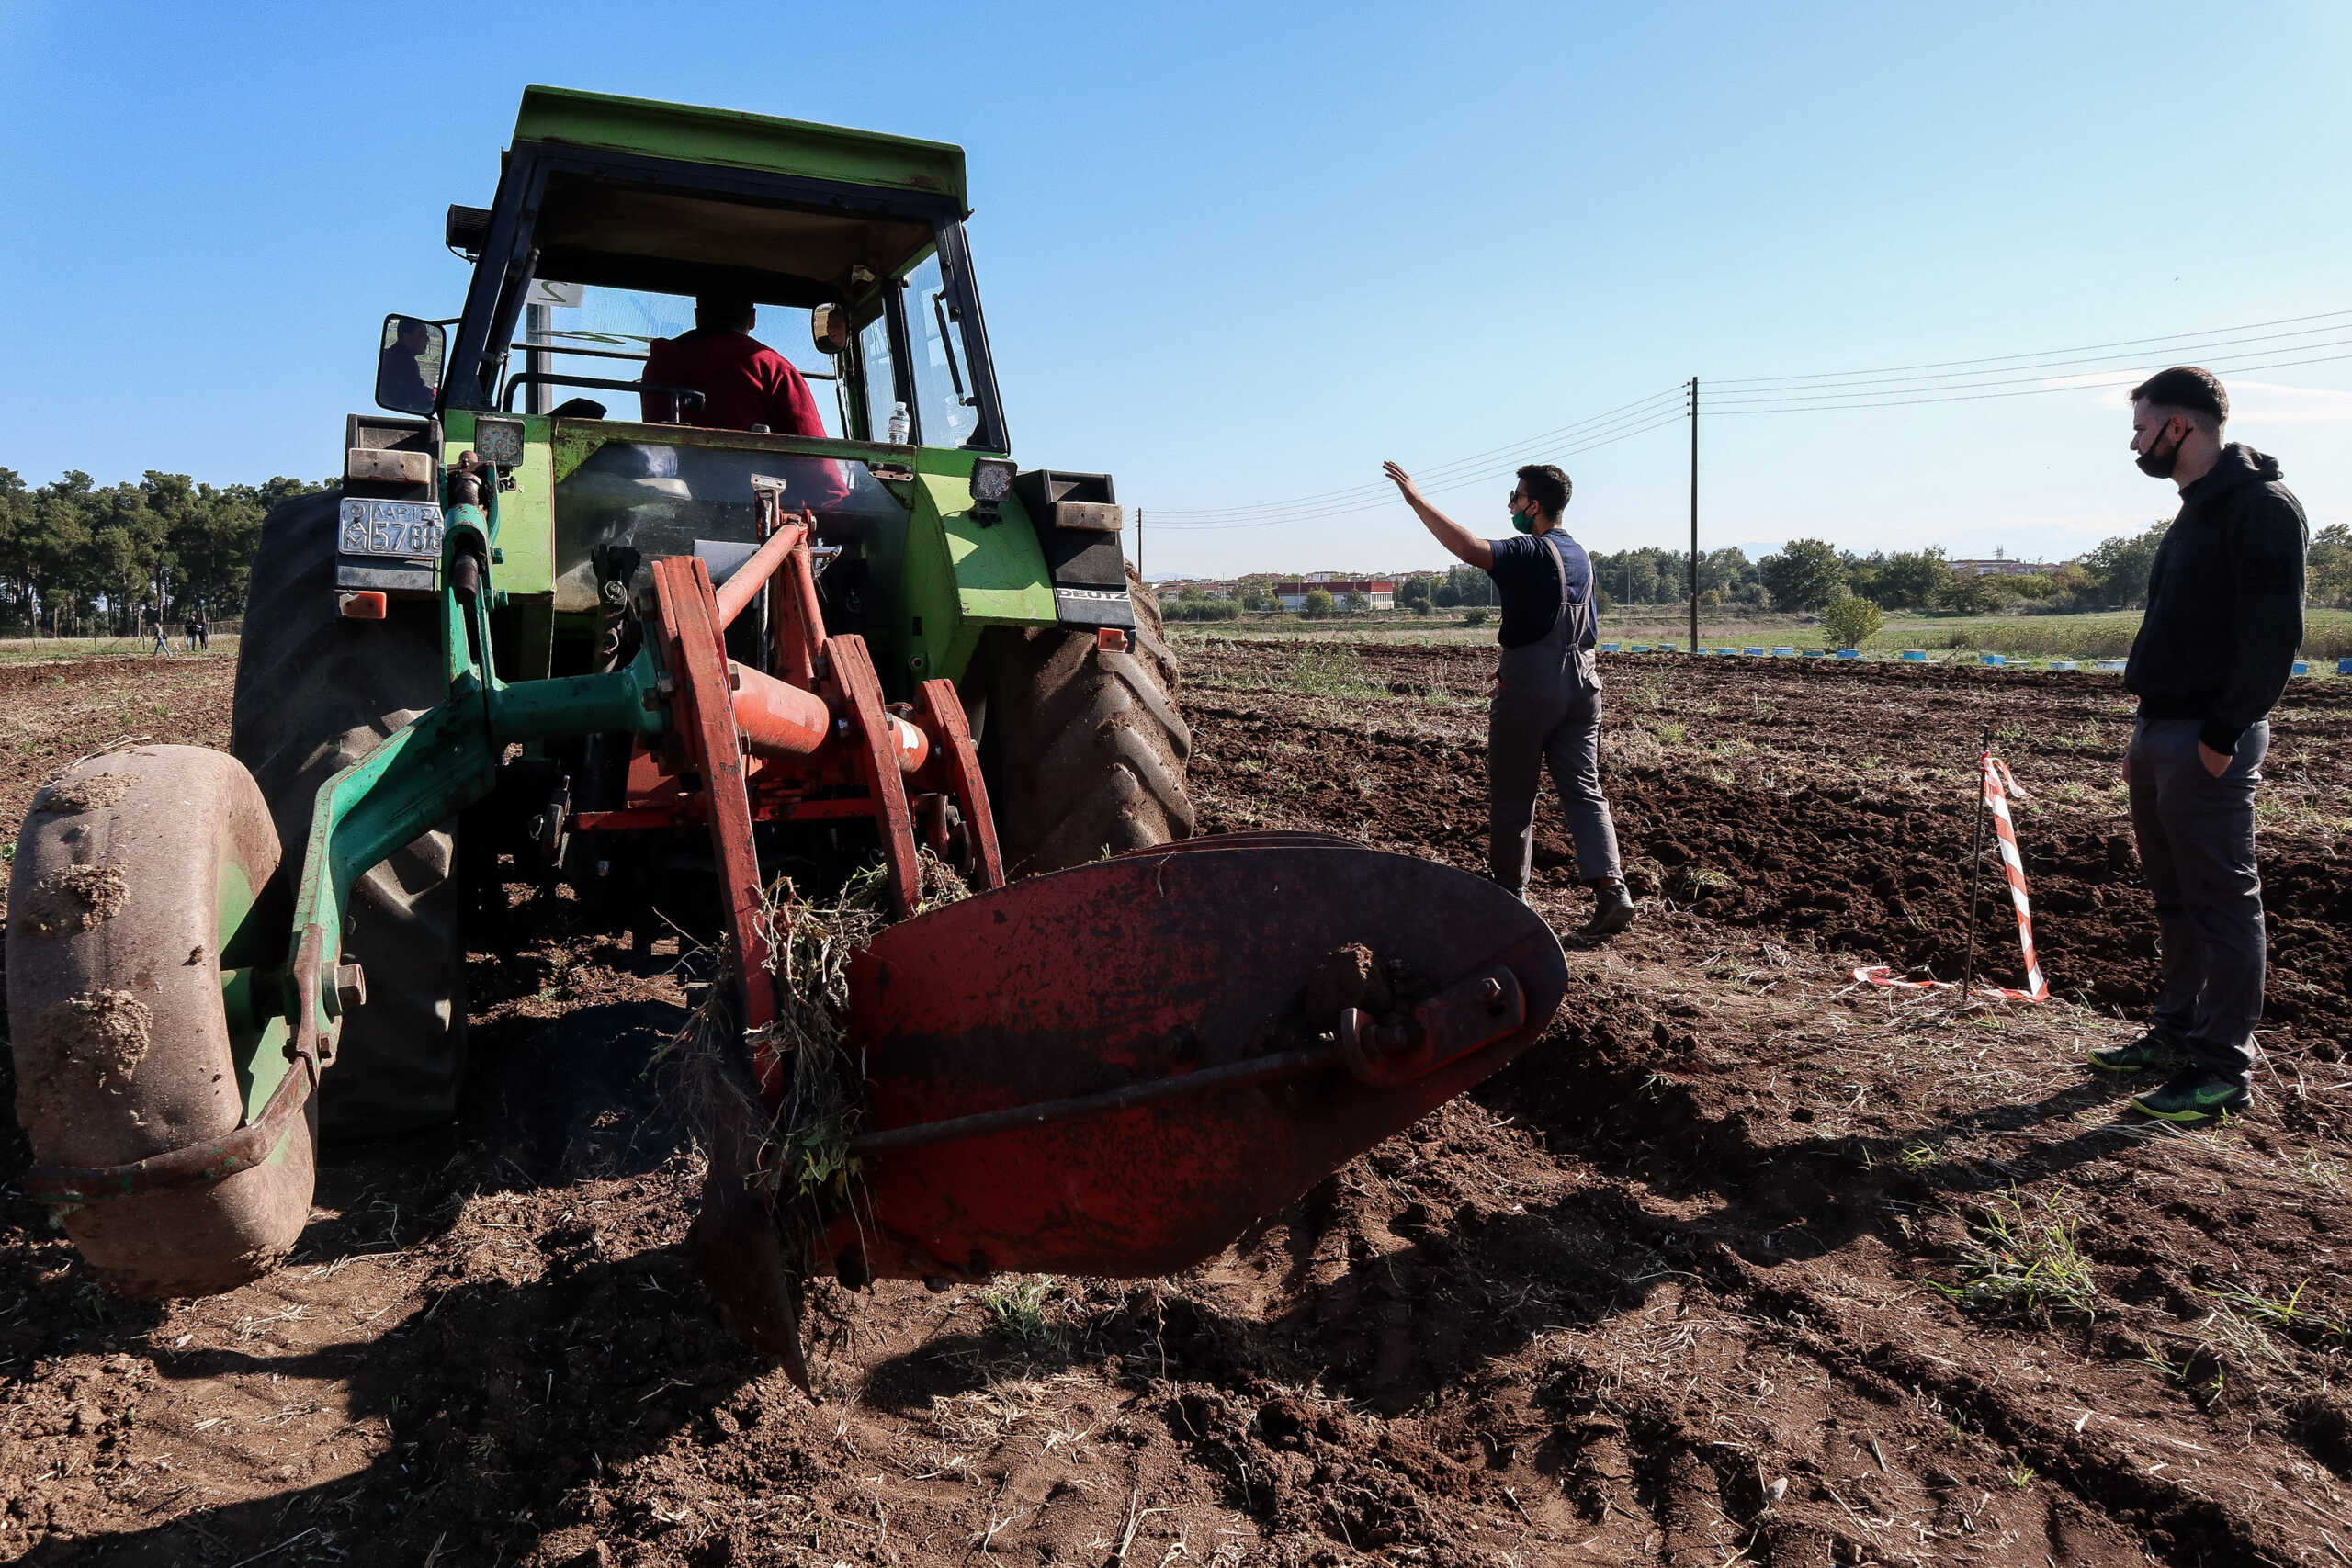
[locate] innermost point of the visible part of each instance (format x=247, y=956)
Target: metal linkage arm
x=428, y=770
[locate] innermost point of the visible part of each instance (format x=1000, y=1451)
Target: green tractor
x=951, y=564
x=560, y=625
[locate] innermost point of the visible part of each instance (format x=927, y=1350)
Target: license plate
x=402, y=528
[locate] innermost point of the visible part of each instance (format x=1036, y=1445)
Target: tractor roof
x=729, y=138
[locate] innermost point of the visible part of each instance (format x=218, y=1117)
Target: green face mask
x=1522, y=521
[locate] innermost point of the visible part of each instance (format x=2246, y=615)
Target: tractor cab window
x=565, y=350
x=880, y=378
x=946, y=402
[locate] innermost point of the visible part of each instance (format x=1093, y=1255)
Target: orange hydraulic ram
x=779, y=719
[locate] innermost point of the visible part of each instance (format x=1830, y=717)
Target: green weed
x=2014, y=1260
x=1328, y=670
x=1015, y=1309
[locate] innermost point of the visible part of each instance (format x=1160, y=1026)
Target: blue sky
x=1237, y=255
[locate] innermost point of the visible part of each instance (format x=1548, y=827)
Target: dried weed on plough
x=800, y=1163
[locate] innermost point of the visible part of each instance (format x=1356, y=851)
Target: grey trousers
x=2196, y=836
x=1535, y=723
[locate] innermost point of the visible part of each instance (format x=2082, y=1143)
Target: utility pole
x=1139, y=543
x=1694, y=515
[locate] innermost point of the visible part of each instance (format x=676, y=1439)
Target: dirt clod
x=78, y=898
x=106, y=1029
x=87, y=793
x=1349, y=976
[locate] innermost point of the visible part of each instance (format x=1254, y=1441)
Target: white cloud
x=2267, y=402
x=2250, y=402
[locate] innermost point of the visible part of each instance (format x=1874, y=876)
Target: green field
x=2328, y=635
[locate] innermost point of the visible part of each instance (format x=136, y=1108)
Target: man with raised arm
x=2214, y=650
x=1546, y=708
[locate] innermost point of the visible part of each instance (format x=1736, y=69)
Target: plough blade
x=1115, y=1069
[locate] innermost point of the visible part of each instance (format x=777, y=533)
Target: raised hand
x=1403, y=481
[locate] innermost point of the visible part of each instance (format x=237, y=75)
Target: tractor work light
x=499, y=442
x=992, y=481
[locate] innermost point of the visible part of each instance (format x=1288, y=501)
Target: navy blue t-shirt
x=1527, y=580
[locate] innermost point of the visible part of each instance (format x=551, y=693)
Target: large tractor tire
x=315, y=693
x=1087, y=750
x=135, y=874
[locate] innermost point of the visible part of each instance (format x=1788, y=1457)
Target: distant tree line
x=1809, y=575
x=78, y=559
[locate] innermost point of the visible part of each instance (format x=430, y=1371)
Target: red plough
x=1111, y=1070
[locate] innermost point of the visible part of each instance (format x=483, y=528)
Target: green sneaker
x=2195, y=1095
x=2153, y=1049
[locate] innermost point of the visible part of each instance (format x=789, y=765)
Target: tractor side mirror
x=408, y=364
x=829, y=326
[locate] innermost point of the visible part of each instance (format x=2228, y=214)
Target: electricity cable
x=2069, y=384
x=1438, y=474
x=2065, y=370
x=1446, y=469
x=1736, y=381
x=1382, y=495
x=2248, y=347
x=1440, y=477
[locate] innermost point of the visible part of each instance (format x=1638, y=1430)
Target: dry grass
x=801, y=1161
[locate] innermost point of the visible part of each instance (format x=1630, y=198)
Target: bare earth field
x=1742, y=1264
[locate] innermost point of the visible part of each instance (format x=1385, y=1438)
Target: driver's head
x=415, y=336
x=726, y=312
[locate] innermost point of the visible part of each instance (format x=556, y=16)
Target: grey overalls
x=1548, y=713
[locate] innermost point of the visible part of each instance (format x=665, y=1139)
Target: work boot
x=1612, y=909
x=2153, y=1049
x=2194, y=1094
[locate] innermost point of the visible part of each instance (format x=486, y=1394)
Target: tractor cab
x=858, y=233
x=612, y=218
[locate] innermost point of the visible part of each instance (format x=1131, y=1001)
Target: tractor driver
x=400, y=370
x=744, y=382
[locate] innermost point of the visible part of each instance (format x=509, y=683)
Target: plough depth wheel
x=132, y=933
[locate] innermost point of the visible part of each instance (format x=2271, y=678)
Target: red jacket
x=744, y=382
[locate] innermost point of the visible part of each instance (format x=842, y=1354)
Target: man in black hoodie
x=2226, y=615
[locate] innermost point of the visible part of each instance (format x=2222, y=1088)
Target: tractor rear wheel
x=138, y=879
x=1087, y=750
x=315, y=693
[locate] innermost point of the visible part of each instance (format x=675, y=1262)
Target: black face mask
x=2158, y=463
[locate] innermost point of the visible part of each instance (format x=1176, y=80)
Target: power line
x=1444, y=478
x=1438, y=471
x=2071, y=384
x=1997, y=359
x=1440, y=475
x=2055, y=370
x=2085, y=367
x=1380, y=492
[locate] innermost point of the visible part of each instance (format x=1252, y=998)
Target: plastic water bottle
x=900, y=425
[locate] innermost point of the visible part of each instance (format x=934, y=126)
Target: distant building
x=1175, y=588
x=2000, y=567
x=1380, y=592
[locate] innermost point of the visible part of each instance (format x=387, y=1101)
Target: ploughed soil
x=1744, y=1262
